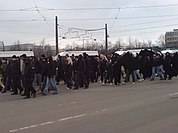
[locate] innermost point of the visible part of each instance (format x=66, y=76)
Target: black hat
x=14, y=56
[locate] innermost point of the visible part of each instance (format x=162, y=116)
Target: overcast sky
x=35, y=21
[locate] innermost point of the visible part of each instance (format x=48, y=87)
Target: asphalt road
x=146, y=107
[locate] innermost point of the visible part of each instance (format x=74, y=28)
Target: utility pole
x=106, y=40
x=56, y=33
x=3, y=47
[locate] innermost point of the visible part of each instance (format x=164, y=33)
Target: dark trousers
x=84, y=79
x=117, y=76
x=29, y=87
x=16, y=84
x=128, y=73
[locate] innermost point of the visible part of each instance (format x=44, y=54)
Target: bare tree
x=149, y=42
x=161, y=40
x=16, y=46
x=130, y=43
x=119, y=43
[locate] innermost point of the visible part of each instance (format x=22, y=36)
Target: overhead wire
x=44, y=18
x=144, y=28
x=88, y=9
x=142, y=23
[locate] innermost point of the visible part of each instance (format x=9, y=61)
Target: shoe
x=76, y=88
x=110, y=84
x=86, y=87
x=67, y=88
x=133, y=83
x=54, y=93
x=20, y=92
x=3, y=91
x=103, y=83
x=26, y=97
x=14, y=93
x=44, y=94
x=124, y=83
x=33, y=94
x=23, y=94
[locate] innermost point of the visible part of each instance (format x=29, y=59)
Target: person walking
x=51, y=72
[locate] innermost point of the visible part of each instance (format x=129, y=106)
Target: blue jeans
x=156, y=69
x=51, y=82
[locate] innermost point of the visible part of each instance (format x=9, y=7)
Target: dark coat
x=15, y=68
x=51, y=68
x=43, y=65
x=28, y=71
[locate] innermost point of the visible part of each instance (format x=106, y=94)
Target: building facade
x=171, y=38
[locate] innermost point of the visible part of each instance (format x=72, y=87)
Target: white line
x=77, y=116
x=104, y=110
x=173, y=94
x=64, y=119
x=24, y=128
x=46, y=123
x=34, y=126
x=11, y=131
x=73, y=102
x=59, y=105
x=72, y=117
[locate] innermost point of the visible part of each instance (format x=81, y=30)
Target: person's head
x=23, y=56
x=50, y=58
x=69, y=61
x=14, y=57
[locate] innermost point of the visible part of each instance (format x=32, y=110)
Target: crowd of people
x=26, y=75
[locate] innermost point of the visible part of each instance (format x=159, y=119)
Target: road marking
x=59, y=105
x=173, y=94
x=46, y=123
x=73, y=102
x=104, y=110
x=11, y=131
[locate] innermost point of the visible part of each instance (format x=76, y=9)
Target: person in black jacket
x=51, y=72
x=116, y=66
x=43, y=66
x=157, y=62
x=37, y=71
x=68, y=72
x=28, y=78
x=81, y=73
x=8, y=78
x=16, y=76
x=129, y=63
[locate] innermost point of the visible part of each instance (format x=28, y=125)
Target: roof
x=133, y=51
x=169, y=51
x=77, y=53
x=8, y=54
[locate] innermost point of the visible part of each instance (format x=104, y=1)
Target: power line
x=115, y=34
x=148, y=28
x=15, y=32
x=90, y=19
x=115, y=18
x=101, y=19
x=87, y=9
x=44, y=18
x=144, y=23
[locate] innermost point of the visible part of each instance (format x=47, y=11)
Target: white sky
x=149, y=28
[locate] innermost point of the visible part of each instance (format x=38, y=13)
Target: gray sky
x=141, y=23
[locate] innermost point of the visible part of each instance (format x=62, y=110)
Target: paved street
x=146, y=107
